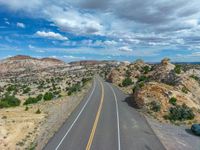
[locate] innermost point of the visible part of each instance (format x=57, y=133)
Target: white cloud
x=191, y=22
x=31, y=46
x=20, y=25
x=51, y=35
x=72, y=20
x=125, y=49
x=132, y=23
x=6, y=22
x=22, y=4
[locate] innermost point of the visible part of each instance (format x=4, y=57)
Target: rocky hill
x=22, y=63
x=161, y=89
x=85, y=62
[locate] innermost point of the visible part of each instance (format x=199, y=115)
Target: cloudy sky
x=101, y=29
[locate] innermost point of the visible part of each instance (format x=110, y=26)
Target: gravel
x=175, y=137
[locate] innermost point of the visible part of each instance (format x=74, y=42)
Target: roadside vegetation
x=48, y=89
x=180, y=113
x=9, y=101
x=126, y=82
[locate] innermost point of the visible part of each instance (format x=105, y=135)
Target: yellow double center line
x=96, y=120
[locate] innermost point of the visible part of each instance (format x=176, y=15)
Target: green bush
x=11, y=88
x=85, y=80
x=38, y=111
x=48, y=96
x=155, y=106
x=26, y=109
x=194, y=77
x=26, y=90
x=185, y=90
x=39, y=97
x=181, y=113
x=143, y=78
x=74, y=88
x=128, y=73
x=127, y=81
x=30, y=100
x=172, y=101
x=177, y=69
x=9, y=101
x=33, y=100
x=146, y=69
x=134, y=89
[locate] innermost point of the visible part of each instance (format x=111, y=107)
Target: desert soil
x=20, y=129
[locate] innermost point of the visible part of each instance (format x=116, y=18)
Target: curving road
x=104, y=121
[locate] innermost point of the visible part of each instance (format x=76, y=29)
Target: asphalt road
x=105, y=121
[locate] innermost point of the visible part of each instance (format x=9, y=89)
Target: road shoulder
x=174, y=137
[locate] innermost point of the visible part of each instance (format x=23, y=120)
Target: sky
x=123, y=30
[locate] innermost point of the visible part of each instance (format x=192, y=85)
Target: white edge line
x=118, y=129
x=77, y=116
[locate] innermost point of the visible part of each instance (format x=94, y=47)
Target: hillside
x=22, y=63
x=161, y=90
x=35, y=92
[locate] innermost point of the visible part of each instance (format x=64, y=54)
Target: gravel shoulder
x=175, y=137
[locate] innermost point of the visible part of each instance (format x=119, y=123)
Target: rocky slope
x=163, y=86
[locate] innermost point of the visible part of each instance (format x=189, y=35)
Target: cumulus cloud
x=131, y=23
x=20, y=25
x=51, y=35
x=22, y=4
x=72, y=20
x=125, y=49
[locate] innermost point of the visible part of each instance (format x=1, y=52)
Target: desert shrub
x=184, y=90
x=134, y=89
x=54, y=86
x=140, y=84
x=177, y=69
x=127, y=81
x=128, y=73
x=143, y=78
x=39, y=97
x=172, y=101
x=38, y=111
x=194, y=77
x=33, y=100
x=30, y=100
x=9, y=101
x=48, y=96
x=52, y=80
x=26, y=90
x=146, y=69
x=74, y=88
x=181, y=113
x=11, y=88
x=85, y=80
x=155, y=106
x=27, y=108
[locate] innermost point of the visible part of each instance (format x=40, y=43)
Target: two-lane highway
x=103, y=121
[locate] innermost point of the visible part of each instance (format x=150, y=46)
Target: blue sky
x=101, y=29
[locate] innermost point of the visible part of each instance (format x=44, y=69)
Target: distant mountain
x=23, y=62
